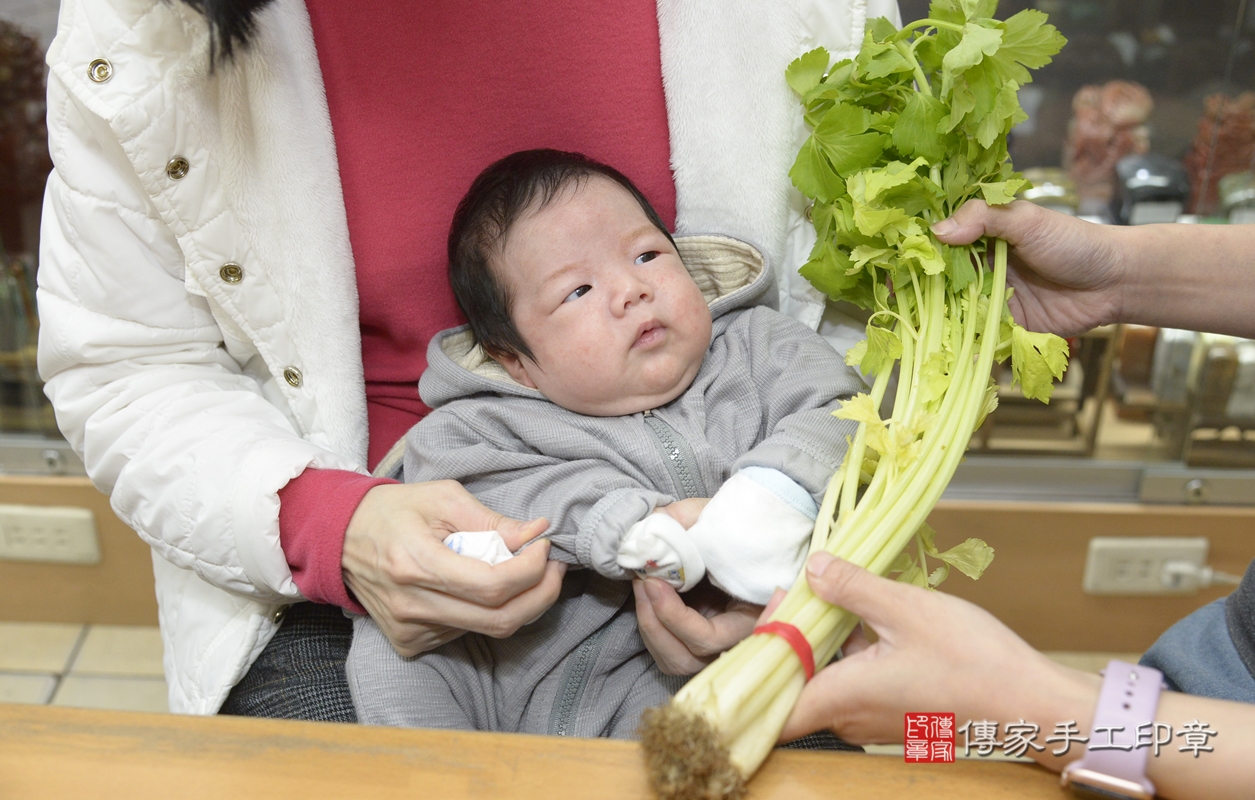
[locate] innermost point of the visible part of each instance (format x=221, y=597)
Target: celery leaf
x=1037, y=361
x=1028, y=41
x=892, y=175
x=828, y=270
x=959, y=269
x=978, y=41
x=971, y=558
x=883, y=348
x=1002, y=192
x=920, y=248
x=917, y=132
x=813, y=175
x=843, y=134
x=807, y=70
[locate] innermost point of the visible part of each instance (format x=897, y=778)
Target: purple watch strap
x=1129, y=699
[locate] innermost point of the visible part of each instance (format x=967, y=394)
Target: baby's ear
x=515, y=366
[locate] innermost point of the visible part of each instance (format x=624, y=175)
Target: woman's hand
x=1068, y=274
x=421, y=593
x=684, y=637
x=935, y=653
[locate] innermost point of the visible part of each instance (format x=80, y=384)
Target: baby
x=604, y=379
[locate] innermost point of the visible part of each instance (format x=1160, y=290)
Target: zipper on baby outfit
x=574, y=680
x=678, y=456
x=682, y=465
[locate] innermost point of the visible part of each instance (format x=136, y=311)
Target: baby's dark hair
x=521, y=182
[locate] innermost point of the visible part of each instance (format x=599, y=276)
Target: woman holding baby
x=243, y=262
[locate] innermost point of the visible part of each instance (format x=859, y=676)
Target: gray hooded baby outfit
x=763, y=397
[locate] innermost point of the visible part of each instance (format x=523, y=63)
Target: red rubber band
x=796, y=639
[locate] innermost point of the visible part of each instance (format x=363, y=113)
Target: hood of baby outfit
x=730, y=273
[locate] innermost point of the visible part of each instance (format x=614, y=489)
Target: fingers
x=409, y=616
x=816, y=707
x=776, y=599
x=526, y=607
x=856, y=643
x=696, y=631
x=704, y=635
x=421, y=606
x=685, y=511
x=477, y=582
x=875, y=599
x=456, y=509
x=977, y=218
x=732, y=626
x=964, y=226
x=515, y=534
x=411, y=640
x=672, y=655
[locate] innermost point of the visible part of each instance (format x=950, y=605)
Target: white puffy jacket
x=199, y=334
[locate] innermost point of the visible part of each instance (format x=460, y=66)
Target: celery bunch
x=903, y=135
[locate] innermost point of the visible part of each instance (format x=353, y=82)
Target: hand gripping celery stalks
x=902, y=136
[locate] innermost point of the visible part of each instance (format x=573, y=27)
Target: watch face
x=1097, y=786
x=1097, y=792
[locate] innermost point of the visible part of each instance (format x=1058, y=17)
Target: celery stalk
x=898, y=142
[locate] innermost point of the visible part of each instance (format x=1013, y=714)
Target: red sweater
x=422, y=97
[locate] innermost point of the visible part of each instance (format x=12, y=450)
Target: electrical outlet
x=59, y=534
x=1135, y=565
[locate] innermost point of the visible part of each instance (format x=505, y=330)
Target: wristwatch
x=1114, y=764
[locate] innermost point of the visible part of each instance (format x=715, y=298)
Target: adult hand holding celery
x=902, y=136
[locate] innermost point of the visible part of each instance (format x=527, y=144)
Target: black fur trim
x=231, y=24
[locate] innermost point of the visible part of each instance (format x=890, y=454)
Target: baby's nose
x=635, y=291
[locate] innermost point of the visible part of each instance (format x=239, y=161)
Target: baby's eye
x=646, y=256
x=580, y=292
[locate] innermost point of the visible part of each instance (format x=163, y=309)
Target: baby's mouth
x=650, y=334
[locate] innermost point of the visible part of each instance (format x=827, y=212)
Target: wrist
x=1064, y=695
x=1030, y=687
x=1123, y=290
x=316, y=510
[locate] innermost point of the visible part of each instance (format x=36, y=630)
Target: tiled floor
x=1088, y=662
x=89, y=666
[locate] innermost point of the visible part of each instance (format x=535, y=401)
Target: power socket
x=57, y=534
x=1135, y=565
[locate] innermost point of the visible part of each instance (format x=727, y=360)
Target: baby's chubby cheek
x=579, y=366
x=582, y=354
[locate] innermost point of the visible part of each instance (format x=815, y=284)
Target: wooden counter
x=49, y=752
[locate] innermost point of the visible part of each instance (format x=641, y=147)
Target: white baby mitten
x=659, y=547
x=754, y=533
x=485, y=545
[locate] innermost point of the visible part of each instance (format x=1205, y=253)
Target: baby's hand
x=754, y=535
x=685, y=512
x=659, y=547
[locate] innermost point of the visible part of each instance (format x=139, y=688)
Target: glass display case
x=29, y=441
x=1147, y=115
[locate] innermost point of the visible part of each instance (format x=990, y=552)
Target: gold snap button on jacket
x=231, y=272
x=280, y=613
x=100, y=70
x=293, y=376
x=810, y=213
x=177, y=167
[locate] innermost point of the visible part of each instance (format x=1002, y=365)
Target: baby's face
x=602, y=299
